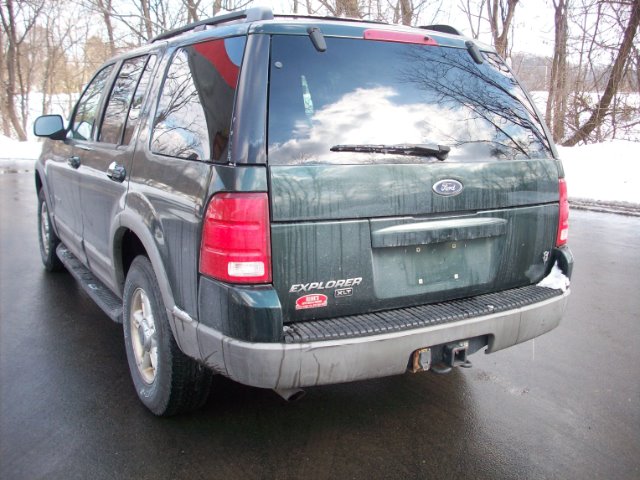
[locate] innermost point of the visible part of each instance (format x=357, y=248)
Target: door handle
x=74, y=162
x=116, y=172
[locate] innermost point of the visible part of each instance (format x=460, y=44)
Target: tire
x=47, y=238
x=166, y=380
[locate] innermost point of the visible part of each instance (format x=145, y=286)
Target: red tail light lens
x=236, y=244
x=563, y=218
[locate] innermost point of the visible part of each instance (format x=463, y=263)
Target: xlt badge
x=343, y=292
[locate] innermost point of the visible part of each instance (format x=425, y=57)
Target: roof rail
x=327, y=17
x=249, y=15
x=442, y=28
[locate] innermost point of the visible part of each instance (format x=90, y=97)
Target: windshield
x=363, y=92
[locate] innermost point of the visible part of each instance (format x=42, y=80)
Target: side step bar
x=99, y=293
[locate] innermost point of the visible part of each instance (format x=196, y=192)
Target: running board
x=99, y=293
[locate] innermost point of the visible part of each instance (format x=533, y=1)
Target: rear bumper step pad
x=415, y=317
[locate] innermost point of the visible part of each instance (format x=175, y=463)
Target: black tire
x=173, y=383
x=47, y=238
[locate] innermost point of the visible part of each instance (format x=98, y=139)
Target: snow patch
x=555, y=280
x=15, y=150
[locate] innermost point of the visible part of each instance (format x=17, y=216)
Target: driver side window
x=87, y=110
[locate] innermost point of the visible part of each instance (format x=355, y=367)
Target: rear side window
x=373, y=93
x=136, y=104
x=120, y=99
x=87, y=110
x=195, y=107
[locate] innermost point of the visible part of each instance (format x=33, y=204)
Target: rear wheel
x=47, y=238
x=166, y=380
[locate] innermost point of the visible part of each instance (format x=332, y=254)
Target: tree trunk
x=500, y=22
x=597, y=117
x=104, y=6
x=4, y=116
x=146, y=18
x=406, y=12
x=343, y=8
x=556, y=101
x=217, y=6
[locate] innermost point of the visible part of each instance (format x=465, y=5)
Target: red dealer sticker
x=311, y=301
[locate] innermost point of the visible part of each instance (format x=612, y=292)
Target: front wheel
x=47, y=238
x=166, y=380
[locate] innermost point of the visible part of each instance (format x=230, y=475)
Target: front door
x=64, y=166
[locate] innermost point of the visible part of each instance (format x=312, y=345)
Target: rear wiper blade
x=414, y=149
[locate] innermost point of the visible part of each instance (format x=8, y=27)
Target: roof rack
x=249, y=15
x=328, y=17
x=442, y=28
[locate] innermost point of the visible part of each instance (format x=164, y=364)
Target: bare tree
x=192, y=6
x=557, y=98
x=474, y=15
x=601, y=109
x=105, y=7
x=16, y=85
x=404, y=12
x=500, y=14
x=6, y=126
x=343, y=8
x=407, y=12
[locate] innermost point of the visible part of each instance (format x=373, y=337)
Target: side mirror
x=50, y=126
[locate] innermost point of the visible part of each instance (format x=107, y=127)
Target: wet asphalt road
x=565, y=406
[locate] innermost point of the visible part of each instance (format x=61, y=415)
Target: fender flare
x=129, y=220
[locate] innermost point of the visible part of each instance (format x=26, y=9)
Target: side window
x=120, y=99
x=138, y=97
x=87, y=109
x=194, y=112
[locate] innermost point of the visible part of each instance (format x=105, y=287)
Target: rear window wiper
x=413, y=149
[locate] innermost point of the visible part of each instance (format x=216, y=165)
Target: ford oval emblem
x=448, y=187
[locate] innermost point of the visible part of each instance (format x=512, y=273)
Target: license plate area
x=419, y=269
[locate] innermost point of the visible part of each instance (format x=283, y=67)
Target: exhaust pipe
x=290, y=394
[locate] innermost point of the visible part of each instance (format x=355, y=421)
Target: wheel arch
x=41, y=184
x=133, y=238
x=38, y=180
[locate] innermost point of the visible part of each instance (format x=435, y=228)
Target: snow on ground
x=14, y=149
x=608, y=171
x=604, y=172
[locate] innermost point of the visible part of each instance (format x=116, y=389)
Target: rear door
x=360, y=221
x=106, y=162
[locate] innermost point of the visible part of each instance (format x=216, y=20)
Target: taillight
x=563, y=218
x=236, y=244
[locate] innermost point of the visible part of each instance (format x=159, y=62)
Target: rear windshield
x=363, y=92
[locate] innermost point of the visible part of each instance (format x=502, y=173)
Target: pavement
x=621, y=208
x=566, y=405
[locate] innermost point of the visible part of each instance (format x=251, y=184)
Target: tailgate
x=350, y=239
x=402, y=173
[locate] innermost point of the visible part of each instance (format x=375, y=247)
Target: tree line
x=50, y=48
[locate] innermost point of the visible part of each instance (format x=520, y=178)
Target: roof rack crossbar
x=442, y=28
x=249, y=15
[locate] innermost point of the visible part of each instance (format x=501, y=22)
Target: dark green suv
x=299, y=201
